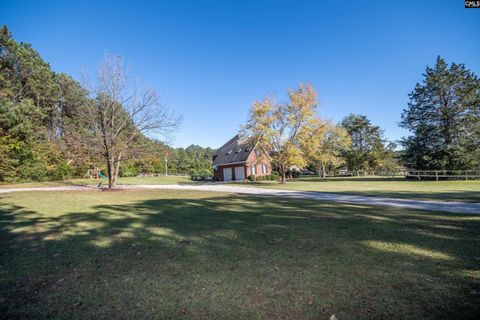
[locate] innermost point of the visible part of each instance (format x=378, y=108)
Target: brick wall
x=253, y=159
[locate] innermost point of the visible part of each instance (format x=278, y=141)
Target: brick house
x=238, y=158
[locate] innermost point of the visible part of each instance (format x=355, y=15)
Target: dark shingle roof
x=236, y=149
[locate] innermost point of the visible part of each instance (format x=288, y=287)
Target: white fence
x=162, y=175
x=417, y=174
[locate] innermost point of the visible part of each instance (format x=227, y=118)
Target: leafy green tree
x=26, y=76
x=19, y=131
x=325, y=147
x=29, y=113
x=369, y=150
x=444, y=119
x=47, y=121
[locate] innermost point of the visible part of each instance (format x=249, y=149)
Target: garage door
x=239, y=173
x=227, y=174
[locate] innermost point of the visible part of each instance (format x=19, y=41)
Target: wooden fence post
x=436, y=175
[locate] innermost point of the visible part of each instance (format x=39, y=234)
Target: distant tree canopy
x=443, y=116
x=369, y=150
x=45, y=131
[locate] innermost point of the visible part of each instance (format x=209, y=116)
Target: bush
x=63, y=171
x=251, y=178
x=273, y=176
x=201, y=174
x=205, y=173
x=33, y=170
x=128, y=170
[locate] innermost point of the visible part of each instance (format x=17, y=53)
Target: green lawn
x=171, y=254
x=104, y=181
x=455, y=190
x=31, y=184
x=138, y=180
x=458, y=190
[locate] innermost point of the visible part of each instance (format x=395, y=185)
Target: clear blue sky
x=210, y=59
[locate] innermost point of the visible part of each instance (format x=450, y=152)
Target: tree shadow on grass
x=238, y=256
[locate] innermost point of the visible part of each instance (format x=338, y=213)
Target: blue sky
x=210, y=59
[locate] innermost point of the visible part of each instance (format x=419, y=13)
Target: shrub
x=33, y=170
x=128, y=170
x=273, y=176
x=251, y=178
x=63, y=171
x=205, y=173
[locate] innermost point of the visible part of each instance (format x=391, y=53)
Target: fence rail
x=417, y=174
x=143, y=174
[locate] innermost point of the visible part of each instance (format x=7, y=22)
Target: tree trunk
x=324, y=172
x=110, y=170
x=117, y=169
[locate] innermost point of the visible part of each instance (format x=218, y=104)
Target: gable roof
x=235, y=150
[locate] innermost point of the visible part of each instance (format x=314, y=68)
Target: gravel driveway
x=457, y=207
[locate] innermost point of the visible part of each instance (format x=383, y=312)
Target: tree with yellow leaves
x=324, y=145
x=285, y=129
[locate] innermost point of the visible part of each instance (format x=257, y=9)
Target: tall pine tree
x=443, y=116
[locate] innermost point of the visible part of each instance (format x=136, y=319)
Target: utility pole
x=166, y=165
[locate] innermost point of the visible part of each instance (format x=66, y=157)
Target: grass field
x=171, y=254
x=138, y=180
x=104, y=181
x=455, y=190
x=31, y=184
x=459, y=190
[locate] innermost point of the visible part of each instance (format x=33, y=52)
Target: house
x=238, y=158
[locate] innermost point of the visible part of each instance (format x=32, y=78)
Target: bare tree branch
x=120, y=113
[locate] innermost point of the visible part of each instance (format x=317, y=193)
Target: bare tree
x=120, y=112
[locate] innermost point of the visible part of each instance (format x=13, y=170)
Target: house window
x=264, y=168
x=258, y=152
x=253, y=169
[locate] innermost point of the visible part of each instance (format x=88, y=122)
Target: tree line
x=443, y=117
x=299, y=138
x=54, y=127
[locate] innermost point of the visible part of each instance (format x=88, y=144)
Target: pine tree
x=443, y=117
